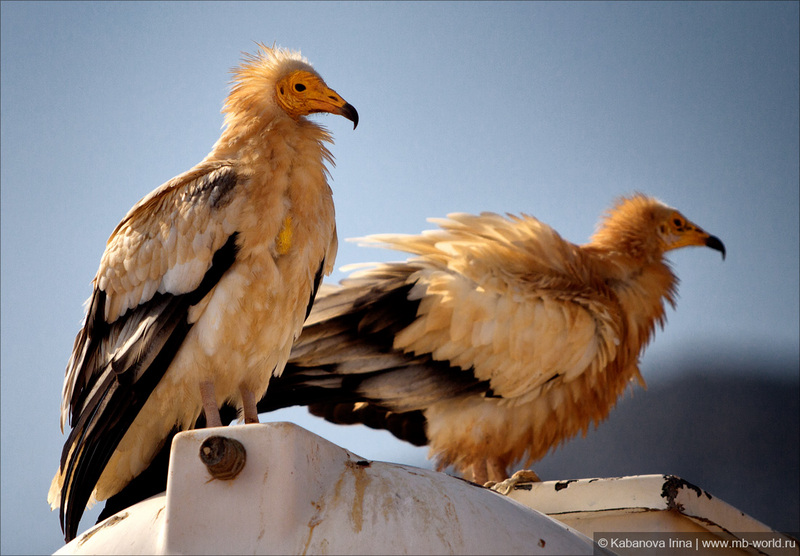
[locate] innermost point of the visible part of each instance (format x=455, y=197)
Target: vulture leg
x=496, y=470
x=210, y=409
x=249, y=406
x=479, y=474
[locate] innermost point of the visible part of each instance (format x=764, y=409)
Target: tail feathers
x=408, y=426
x=344, y=366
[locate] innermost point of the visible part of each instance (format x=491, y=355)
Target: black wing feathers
x=345, y=369
x=109, y=405
x=154, y=479
x=317, y=282
x=90, y=336
x=408, y=426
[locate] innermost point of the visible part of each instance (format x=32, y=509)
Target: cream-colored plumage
x=204, y=284
x=498, y=340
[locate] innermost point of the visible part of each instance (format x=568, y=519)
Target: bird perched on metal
x=204, y=284
x=498, y=340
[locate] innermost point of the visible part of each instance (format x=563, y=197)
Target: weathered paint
x=300, y=494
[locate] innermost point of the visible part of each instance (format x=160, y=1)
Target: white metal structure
x=297, y=493
x=300, y=494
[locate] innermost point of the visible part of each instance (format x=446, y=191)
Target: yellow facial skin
x=301, y=93
x=677, y=231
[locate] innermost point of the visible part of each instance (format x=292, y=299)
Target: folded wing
x=165, y=256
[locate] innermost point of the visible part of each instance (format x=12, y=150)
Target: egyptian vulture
x=203, y=285
x=498, y=340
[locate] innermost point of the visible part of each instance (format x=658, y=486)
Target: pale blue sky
x=552, y=109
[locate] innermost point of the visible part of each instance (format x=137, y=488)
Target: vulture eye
x=299, y=87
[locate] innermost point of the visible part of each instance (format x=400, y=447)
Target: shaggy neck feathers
x=633, y=264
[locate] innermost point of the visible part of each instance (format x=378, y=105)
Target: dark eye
x=299, y=87
x=678, y=223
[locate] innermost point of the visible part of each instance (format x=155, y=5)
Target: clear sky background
x=552, y=109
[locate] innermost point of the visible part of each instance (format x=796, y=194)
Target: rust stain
x=263, y=507
x=338, y=487
x=453, y=532
x=110, y=522
x=316, y=519
x=362, y=480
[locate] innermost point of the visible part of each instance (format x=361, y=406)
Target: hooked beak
x=690, y=234
x=714, y=243
x=300, y=93
x=326, y=99
x=349, y=112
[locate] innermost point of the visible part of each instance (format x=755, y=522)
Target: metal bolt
x=224, y=457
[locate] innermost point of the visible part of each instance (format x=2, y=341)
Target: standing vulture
x=204, y=285
x=498, y=340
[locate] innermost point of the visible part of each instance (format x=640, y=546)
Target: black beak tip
x=714, y=243
x=351, y=114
